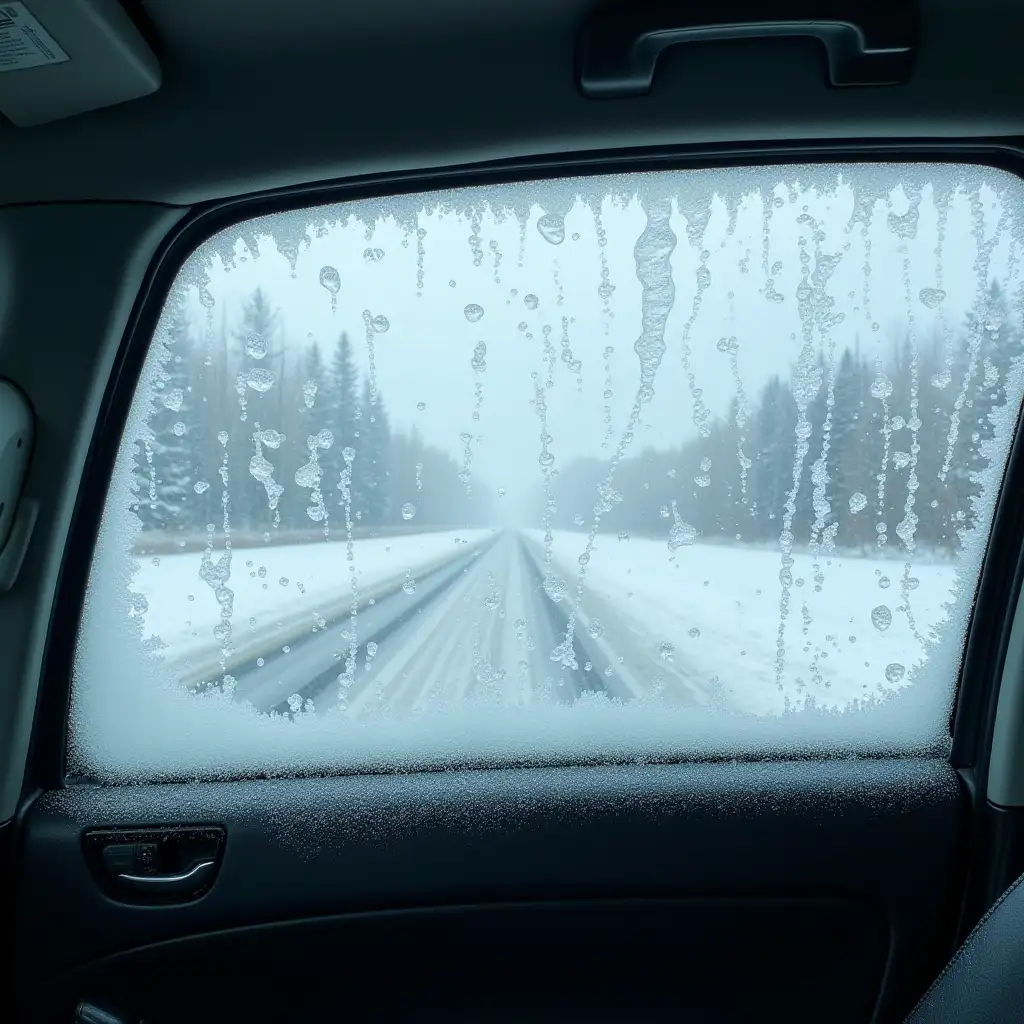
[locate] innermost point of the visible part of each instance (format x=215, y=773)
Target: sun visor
x=59, y=58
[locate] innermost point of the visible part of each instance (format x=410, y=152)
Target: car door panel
x=826, y=871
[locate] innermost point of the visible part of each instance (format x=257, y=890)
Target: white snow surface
x=276, y=584
x=730, y=595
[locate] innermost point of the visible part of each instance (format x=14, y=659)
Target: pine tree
x=339, y=405
x=772, y=472
x=371, y=469
x=165, y=465
x=855, y=453
x=257, y=350
x=308, y=418
x=1000, y=344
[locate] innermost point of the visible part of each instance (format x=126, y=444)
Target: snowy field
x=718, y=608
x=276, y=588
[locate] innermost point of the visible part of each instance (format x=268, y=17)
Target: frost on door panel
x=603, y=467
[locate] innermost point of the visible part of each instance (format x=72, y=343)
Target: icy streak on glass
x=262, y=469
x=732, y=349
x=806, y=384
x=605, y=290
x=421, y=252
x=982, y=262
x=351, y=632
x=820, y=306
x=696, y=211
x=652, y=256
x=906, y=529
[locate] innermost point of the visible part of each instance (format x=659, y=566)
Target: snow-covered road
x=479, y=623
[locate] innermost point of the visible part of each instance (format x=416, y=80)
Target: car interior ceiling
x=719, y=889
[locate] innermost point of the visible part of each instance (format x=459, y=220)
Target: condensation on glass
x=611, y=468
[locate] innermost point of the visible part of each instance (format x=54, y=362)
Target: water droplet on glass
x=479, y=362
x=501, y=492
x=408, y=510
x=578, y=519
x=420, y=406
x=330, y=279
x=881, y=618
x=931, y=297
x=913, y=583
x=554, y=587
x=271, y=438
x=595, y=629
x=256, y=346
x=894, y=672
x=283, y=581
x=681, y=535
x=552, y=228
x=473, y=312
x=309, y=390
x=705, y=464
x=409, y=586
x=858, y=502
x=258, y=379
x=666, y=650
x=373, y=255
x=883, y=582
x=702, y=480
x=881, y=387
x=200, y=486
x=531, y=301
x=694, y=632
x=179, y=429
x=664, y=512
x=173, y=399
x=206, y=298
x=941, y=379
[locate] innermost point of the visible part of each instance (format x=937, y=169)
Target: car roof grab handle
x=867, y=42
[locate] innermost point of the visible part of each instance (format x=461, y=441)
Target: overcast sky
x=425, y=356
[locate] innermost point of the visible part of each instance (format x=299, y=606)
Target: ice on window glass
x=642, y=467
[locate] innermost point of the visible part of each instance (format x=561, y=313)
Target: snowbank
x=719, y=609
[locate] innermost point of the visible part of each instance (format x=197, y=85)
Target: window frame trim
x=975, y=698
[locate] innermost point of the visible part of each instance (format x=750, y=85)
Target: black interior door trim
x=998, y=586
x=887, y=836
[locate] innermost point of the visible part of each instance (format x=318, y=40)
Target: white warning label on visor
x=24, y=43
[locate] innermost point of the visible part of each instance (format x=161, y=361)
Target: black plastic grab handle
x=867, y=43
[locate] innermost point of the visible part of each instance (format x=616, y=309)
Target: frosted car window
x=649, y=466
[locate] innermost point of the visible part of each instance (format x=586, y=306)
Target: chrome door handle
x=197, y=877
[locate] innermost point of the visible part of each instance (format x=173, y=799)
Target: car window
x=666, y=464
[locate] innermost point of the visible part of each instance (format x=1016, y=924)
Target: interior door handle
x=195, y=878
x=155, y=864
x=868, y=42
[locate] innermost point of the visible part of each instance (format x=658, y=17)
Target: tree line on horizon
x=249, y=413
x=853, y=483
